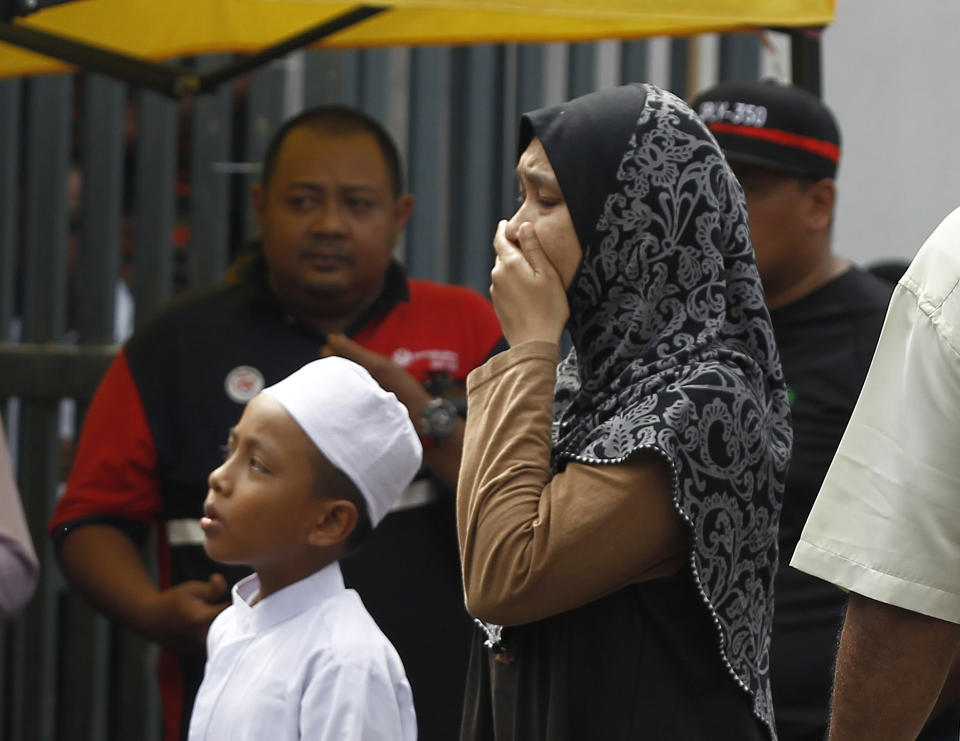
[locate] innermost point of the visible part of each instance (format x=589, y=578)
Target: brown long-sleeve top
x=533, y=545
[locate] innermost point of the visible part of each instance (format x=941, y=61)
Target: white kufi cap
x=360, y=428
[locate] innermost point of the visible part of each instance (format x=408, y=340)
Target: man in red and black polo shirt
x=331, y=209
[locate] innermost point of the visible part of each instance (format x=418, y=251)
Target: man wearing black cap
x=784, y=145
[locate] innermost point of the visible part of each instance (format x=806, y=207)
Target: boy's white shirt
x=305, y=662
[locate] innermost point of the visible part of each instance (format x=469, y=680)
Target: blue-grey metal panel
x=527, y=78
x=373, y=81
x=47, y=137
x=582, y=70
x=331, y=77
x=739, y=57
x=85, y=668
x=45, y=236
x=428, y=233
x=476, y=179
x=209, y=185
x=530, y=73
x=633, y=61
x=155, y=203
x=101, y=206
x=264, y=115
x=10, y=202
x=679, y=67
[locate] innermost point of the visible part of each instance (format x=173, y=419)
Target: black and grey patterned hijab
x=673, y=348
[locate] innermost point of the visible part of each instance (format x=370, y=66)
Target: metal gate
x=112, y=198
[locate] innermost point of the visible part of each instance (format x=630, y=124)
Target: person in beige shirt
x=617, y=514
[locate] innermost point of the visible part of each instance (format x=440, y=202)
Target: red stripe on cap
x=825, y=149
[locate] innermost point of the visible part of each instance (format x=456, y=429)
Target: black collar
x=250, y=271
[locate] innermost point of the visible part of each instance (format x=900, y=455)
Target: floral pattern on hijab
x=673, y=348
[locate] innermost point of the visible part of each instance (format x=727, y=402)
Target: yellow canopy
x=161, y=29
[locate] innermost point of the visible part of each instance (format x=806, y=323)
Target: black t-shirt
x=826, y=341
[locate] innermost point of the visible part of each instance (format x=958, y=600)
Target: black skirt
x=642, y=663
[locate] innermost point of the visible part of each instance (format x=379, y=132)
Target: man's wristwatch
x=438, y=420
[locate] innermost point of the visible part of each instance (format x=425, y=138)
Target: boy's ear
x=334, y=522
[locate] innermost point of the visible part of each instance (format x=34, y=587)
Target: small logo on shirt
x=243, y=383
x=436, y=360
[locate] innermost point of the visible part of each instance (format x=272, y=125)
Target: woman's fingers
x=526, y=289
x=501, y=245
x=533, y=251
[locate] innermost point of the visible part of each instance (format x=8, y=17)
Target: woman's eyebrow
x=537, y=177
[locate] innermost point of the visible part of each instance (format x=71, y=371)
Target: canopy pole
x=163, y=78
x=172, y=80
x=213, y=78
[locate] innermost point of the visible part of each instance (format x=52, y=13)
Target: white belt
x=184, y=532
x=419, y=493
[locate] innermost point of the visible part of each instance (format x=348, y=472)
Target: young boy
x=314, y=463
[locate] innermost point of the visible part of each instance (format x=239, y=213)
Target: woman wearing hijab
x=618, y=513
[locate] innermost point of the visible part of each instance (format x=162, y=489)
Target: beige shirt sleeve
x=886, y=522
x=534, y=546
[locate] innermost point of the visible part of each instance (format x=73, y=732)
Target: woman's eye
x=257, y=466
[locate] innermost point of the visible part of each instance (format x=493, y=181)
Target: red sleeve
x=114, y=473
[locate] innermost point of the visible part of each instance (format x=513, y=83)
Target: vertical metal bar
x=378, y=83
x=294, y=73
x=679, y=52
x=477, y=181
x=36, y=714
x=264, y=114
x=155, y=203
x=372, y=81
x=331, y=77
x=102, y=192
x=509, y=116
x=703, y=62
x=48, y=151
x=633, y=61
x=805, y=59
x=556, y=78
x=739, y=57
x=529, y=94
x=133, y=687
x=428, y=232
x=582, y=70
x=397, y=95
x=659, y=55
x=45, y=268
x=394, y=111
x=9, y=199
x=607, y=65
x=209, y=188
x=84, y=669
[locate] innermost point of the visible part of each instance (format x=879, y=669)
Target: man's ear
x=258, y=199
x=821, y=197
x=334, y=522
x=404, y=209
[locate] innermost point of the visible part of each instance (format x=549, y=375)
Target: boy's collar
x=286, y=603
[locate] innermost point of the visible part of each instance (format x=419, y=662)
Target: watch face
x=439, y=419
